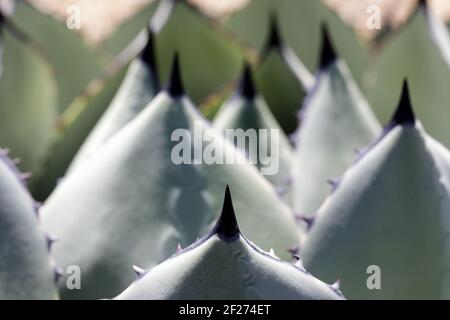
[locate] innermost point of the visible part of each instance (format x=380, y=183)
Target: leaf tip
x=328, y=54
x=404, y=114
x=227, y=227
x=273, y=38
x=246, y=85
x=148, y=56
x=175, y=86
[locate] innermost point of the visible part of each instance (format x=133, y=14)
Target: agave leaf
x=336, y=120
x=25, y=269
x=74, y=63
x=248, y=110
x=300, y=25
x=225, y=265
x=129, y=30
x=391, y=210
x=283, y=79
x=27, y=99
x=74, y=126
x=138, y=88
x=439, y=33
x=414, y=53
x=142, y=204
x=210, y=59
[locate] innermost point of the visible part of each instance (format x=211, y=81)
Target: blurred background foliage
x=57, y=82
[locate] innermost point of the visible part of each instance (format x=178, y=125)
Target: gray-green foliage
x=225, y=265
x=392, y=210
x=419, y=53
x=25, y=268
x=247, y=110
x=132, y=204
x=27, y=98
x=139, y=87
x=335, y=122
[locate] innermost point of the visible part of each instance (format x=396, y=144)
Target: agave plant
x=245, y=110
x=141, y=167
x=122, y=201
x=226, y=265
x=390, y=209
x=26, y=270
x=336, y=121
x=139, y=87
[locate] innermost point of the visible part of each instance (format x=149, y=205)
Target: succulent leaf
x=419, y=52
x=74, y=127
x=225, y=265
x=28, y=105
x=140, y=85
x=390, y=210
x=142, y=204
x=246, y=110
x=61, y=45
x=25, y=268
x=335, y=120
x=282, y=77
x=210, y=59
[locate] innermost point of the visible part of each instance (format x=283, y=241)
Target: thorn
x=272, y=253
x=37, y=205
x=175, y=86
x=288, y=180
x=299, y=263
x=273, y=38
x=149, y=57
x=139, y=271
x=50, y=241
x=246, y=86
x=281, y=191
x=404, y=114
x=179, y=248
x=58, y=274
x=334, y=183
x=294, y=251
x=227, y=227
x=337, y=285
x=328, y=54
x=308, y=220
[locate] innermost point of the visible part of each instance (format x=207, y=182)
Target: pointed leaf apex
x=404, y=115
x=148, y=56
x=247, y=87
x=175, y=85
x=273, y=39
x=308, y=220
x=328, y=54
x=227, y=227
x=58, y=274
x=50, y=241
